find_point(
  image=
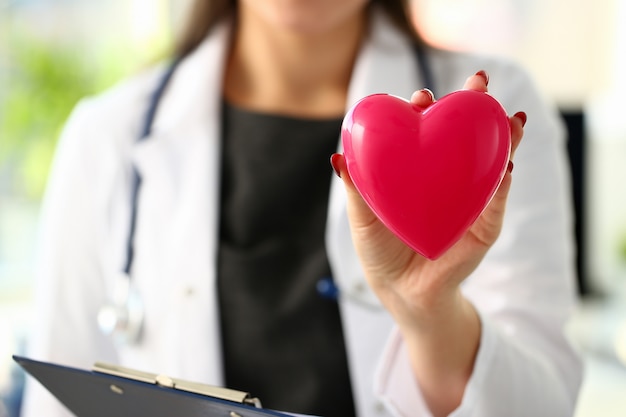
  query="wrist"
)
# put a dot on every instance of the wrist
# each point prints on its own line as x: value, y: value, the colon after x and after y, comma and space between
x: 442, y: 346
x: 447, y: 310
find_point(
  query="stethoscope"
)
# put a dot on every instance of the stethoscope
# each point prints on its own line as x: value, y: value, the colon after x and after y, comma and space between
x: 122, y: 316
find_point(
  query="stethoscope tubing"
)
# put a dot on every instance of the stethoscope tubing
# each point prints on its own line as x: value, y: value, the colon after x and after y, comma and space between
x: 135, y: 184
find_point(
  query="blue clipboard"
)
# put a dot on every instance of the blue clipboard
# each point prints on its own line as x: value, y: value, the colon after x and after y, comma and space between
x: 110, y: 390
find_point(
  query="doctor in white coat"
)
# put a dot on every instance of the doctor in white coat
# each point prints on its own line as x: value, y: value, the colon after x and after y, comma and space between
x: 479, y: 332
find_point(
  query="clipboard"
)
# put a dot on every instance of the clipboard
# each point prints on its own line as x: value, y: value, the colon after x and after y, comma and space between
x: 110, y: 390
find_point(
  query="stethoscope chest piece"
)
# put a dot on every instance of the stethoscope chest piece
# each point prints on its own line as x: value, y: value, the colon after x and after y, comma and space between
x: 122, y: 317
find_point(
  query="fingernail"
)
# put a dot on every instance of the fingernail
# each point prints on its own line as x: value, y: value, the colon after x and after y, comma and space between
x: 430, y: 93
x: 483, y: 73
x: 522, y: 116
x: 509, y: 167
x: 334, y: 161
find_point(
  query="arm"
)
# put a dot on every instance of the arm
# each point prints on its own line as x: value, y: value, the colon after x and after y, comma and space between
x: 441, y: 330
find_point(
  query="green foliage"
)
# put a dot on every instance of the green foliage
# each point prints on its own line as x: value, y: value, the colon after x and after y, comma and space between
x: 621, y: 248
x: 41, y: 83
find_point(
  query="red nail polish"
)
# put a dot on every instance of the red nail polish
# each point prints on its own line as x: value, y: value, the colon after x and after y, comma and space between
x: 509, y: 167
x: 334, y: 161
x: 430, y: 93
x: 484, y: 74
x: 522, y: 116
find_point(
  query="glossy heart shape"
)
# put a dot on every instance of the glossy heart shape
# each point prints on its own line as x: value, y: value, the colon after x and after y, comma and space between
x: 427, y: 174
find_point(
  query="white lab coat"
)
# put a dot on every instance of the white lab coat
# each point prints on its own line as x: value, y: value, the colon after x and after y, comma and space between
x: 524, y: 289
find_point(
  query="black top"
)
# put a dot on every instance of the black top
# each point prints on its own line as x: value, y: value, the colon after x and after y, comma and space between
x: 282, y: 341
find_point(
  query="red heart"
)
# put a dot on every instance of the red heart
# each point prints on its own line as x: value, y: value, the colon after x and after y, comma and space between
x: 427, y: 174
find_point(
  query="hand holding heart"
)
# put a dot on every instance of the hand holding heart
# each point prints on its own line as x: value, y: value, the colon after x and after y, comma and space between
x: 423, y: 294
x: 390, y: 262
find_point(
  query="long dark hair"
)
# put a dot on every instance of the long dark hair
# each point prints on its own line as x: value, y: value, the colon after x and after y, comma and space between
x: 204, y: 14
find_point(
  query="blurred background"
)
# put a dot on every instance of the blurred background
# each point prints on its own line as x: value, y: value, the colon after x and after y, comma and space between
x: 53, y: 52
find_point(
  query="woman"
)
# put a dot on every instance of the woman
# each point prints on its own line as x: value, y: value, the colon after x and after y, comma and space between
x: 237, y: 223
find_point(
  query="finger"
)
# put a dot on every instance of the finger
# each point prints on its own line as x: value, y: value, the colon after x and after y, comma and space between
x: 490, y: 224
x: 499, y: 199
x: 338, y: 162
x: 495, y: 209
x: 423, y: 98
x: 362, y: 213
x: 517, y: 122
x: 478, y: 82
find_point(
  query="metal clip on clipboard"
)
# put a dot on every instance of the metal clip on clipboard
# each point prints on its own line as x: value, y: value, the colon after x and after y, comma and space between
x: 178, y: 384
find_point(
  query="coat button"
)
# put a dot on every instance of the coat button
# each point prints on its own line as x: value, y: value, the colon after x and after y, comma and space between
x: 359, y: 288
x: 379, y: 408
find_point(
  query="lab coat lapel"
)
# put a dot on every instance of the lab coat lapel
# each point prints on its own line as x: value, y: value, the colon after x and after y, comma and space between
x: 177, y: 222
